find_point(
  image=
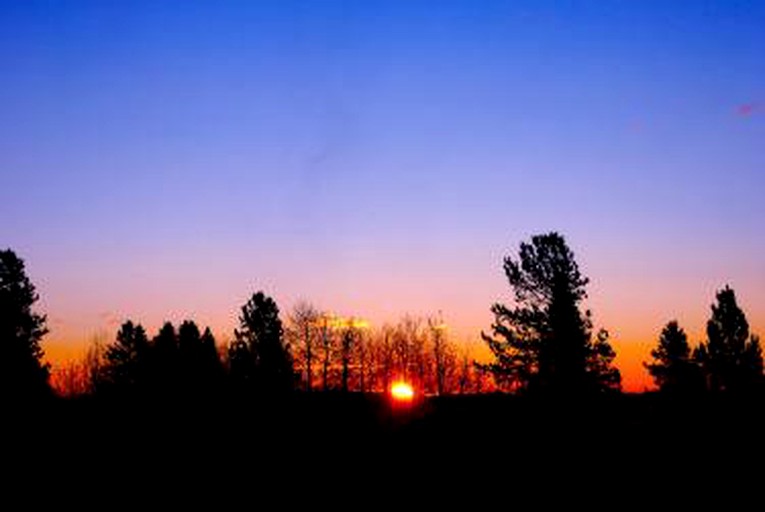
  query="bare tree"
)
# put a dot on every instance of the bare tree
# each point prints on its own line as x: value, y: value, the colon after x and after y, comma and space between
x: 438, y: 337
x: 470, y: 377
x: 410, y: 349
x: 70, y: 379
x: 383, y: 354
x: 347, y: 339
x: 352, y: 353
x: 94, y: 361
x: 327, y: 348
x: 449, y: 364
x: 402, y: 336
x: 466, y: 367
x: 363, y: 358
x: 303, y: 333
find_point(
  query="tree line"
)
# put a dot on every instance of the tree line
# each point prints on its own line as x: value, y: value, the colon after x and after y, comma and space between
x: 730, y: 359
x: 543, y: 343
x: 311, y: 351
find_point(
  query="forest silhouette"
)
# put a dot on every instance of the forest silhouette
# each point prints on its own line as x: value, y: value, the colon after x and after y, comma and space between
x: 309, y: 382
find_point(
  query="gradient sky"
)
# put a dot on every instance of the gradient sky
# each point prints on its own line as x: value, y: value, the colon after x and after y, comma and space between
x: 166, y: 159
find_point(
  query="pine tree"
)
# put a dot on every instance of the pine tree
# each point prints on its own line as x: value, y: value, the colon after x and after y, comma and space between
x: 189, y: 354
x: 198, y: 358
x: 730, y: 357
x: 22, y: 371
x: 260, y: 339
x: 164, y: 359
x: 127, y: 358
x: 673, y: 370
x: 211, y: 367
x: 544, y: 341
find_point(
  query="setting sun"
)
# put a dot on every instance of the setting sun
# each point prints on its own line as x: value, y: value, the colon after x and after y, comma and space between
x: 402, y: 391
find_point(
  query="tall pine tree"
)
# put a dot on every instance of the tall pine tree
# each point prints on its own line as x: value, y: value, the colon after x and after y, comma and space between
x: 543, y: 342
x: 22, y: 371
x: 730, y: 357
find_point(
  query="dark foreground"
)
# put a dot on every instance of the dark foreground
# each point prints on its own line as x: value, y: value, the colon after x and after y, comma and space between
x: 357, y: 438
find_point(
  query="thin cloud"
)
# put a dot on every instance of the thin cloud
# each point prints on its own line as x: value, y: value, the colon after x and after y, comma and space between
x: 747, y: 109
x: 110, y: 319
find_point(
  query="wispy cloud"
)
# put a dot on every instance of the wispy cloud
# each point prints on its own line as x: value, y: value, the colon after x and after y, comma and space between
x: 110, y: 319
x: 748, y: 109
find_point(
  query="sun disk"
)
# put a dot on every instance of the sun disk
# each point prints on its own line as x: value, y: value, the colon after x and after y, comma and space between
x: 402, y: 391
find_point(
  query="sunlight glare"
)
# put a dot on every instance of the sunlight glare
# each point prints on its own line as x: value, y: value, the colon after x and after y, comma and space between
x: 402, y: 391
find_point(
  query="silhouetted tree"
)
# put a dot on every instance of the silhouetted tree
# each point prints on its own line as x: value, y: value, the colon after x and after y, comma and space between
x: 166, y: 343
x: 440, y: 352
x: 347, y: 339
x: 470, y: 377
x: 544, y: 342
x: 211, y: 367
x: 241, y: 364
x: 95, y: 363
x: 260, y: 334
x: 601, y: 372
x: 362, y: 356
x: 22, y: 372
x: 351, y: 353
x: 673, y: 370
x: 70, y: 379
x: 303, y: 335
x: 127, y: 358
x: 406, y: 344
x: 187, y: 361
x: 449, y: 368
x: 466, y: 368
x: 164, y: 360
x: 327, y: 351
x: 419, y: 355
x: 730, y: 358
x: 190, y: 356
x: 384, y: 353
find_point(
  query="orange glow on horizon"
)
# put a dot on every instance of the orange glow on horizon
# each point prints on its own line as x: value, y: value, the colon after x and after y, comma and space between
x: 634, y: 326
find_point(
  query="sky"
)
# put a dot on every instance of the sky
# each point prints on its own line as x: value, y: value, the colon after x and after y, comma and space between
x: 164, y: 160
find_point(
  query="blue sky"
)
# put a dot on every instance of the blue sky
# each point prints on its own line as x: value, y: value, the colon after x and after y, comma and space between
x: 380, y: 156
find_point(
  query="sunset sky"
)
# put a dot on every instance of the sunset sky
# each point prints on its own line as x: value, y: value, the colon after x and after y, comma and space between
x: 164, y: 160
